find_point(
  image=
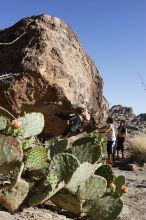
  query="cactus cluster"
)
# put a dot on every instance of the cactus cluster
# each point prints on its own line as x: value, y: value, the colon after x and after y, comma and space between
x: 72, y: 177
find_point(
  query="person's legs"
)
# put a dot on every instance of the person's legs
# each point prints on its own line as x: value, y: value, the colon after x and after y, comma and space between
x: 118, y: 147
x: 113, y: 151
x: 118, y: 154
x: 108, y: 154
x: 109, y: 150
x: 122, y: 147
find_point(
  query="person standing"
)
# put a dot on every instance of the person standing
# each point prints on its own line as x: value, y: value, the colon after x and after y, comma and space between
x: 121, y: 137
x: 111, y: 139
x: 109, y: 130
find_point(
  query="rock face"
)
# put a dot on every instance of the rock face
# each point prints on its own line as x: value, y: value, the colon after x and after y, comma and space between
x: 134, y: 123
x: 44, y: 68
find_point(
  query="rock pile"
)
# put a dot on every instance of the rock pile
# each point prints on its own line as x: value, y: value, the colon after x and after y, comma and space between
x: 134, y: 123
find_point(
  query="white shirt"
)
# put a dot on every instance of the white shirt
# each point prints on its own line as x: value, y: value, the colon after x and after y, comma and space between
x: 111, y: 134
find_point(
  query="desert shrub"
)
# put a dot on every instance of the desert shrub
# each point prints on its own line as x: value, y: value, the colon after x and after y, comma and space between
x: 137, y: 147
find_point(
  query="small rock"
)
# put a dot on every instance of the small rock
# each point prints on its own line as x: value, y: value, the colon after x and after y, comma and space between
x: 130, y: 167
x: 142, y: 169
x: 141, y: 186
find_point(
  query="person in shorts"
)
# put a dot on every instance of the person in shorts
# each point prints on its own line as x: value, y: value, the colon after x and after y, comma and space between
x: 121, y: 137
x: 109, y: 130
x: 111, y: 138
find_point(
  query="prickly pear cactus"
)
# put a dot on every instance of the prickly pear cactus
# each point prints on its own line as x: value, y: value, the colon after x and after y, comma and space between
x: 99, y: 138
x: 58, y: 147
x: 86, y: 150
x: 68, y: 201
x: 120, y: 180
x: 72, y: 200
x: 32, y: 124
x: 51, y: 142
x: 3, y: 123
x: 12, y: 198
x: 62, y: 167
x: 28, y: 143
x: 43, y: 193
x: 36, y: 158
x: 74, y: 181
x: 93, y: 187
x: 103, y: 208
x: 106, y: 172
x: 10, y: 150
x: 81, y: 174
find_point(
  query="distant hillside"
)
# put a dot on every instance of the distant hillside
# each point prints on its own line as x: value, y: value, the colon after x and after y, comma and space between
x: 134, y: 123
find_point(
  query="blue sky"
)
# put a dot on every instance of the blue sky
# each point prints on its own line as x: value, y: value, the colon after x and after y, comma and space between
x: 113, y: 32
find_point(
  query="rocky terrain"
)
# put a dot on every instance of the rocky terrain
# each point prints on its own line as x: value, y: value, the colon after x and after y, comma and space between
x: 134, y: 123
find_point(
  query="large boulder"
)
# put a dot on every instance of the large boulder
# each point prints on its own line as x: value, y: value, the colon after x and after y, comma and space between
x: 44, y: 68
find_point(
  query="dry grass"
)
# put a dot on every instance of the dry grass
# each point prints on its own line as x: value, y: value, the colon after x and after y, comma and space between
x: 137, y: 147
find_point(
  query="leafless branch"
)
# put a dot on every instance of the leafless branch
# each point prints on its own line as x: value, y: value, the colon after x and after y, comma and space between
x: 142, y: 81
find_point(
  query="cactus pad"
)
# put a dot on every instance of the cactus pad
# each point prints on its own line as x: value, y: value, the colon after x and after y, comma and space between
x: 36, y: 159
x: 28, y: 143
x: 51, y: 142
x: 10, y: 150
x: 106, y: 208
x: 62, y: 167
x: 58, y: 147
x: 120, y: 180
x: 12, y: 198
x: 106, y: 172
x: 68, y: 201
x: 93, y: 187
x: 43, y: 193
x: 32, y: 124
x: 3, y: 123
x: 86, y: 150
x: 81, y: 174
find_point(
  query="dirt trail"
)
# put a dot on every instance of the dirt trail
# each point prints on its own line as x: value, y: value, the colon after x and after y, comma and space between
x: 135, y: 199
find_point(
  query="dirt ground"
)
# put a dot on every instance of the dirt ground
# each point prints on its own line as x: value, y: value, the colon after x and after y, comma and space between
x: 135, y: 199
